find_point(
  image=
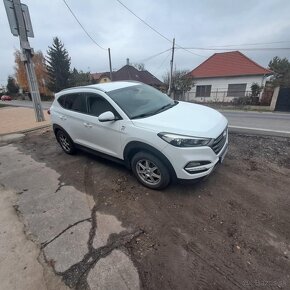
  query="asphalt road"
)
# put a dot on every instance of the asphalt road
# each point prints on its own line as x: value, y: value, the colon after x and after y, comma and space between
x: 265, y: 122
x: 249, y: 122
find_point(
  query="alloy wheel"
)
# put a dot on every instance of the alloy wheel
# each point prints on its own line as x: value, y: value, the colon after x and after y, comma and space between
x: 65, y: 143
x: 148, y: 172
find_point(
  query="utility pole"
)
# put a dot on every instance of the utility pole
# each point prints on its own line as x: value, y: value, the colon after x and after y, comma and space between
x: 20, y: 25
x: 171, y: 68
x: 110, y: 63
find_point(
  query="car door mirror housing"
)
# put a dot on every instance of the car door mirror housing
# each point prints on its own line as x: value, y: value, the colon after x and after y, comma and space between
x: 107, y: 116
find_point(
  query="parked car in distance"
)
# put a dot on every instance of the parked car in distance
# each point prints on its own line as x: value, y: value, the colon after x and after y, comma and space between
x: 158, y: 138
x: 6, y: 98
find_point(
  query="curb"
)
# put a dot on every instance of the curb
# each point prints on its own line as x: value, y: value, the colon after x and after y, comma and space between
x: 259, y: 131
x: 27, y: 130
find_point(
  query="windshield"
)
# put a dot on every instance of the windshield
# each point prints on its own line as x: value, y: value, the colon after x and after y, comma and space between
x: 141, y: 101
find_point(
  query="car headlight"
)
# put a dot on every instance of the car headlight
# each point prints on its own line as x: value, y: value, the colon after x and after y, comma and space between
x: 183, y: 140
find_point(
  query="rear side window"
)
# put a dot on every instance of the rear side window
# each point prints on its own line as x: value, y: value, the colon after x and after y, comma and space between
x: 61, y: 100
x: 74, y: 102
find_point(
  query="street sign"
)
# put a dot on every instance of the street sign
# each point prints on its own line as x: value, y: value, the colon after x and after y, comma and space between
x: 9, y: 6
x: 27, y: 20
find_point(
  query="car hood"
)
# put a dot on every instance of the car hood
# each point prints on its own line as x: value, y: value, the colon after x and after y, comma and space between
x: 186, y: 118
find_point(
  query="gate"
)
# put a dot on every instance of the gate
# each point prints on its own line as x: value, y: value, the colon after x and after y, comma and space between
x: 283, y: 100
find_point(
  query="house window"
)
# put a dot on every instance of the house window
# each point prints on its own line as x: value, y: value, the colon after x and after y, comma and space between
x: 203, y: 91
x: 236, y: 90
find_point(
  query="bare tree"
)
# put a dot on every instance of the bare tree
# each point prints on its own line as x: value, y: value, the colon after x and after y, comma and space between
x: 182, y: 82
x: 139, y: 66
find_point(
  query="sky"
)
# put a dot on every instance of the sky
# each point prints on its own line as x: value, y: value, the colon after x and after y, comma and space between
x: 202, y: 24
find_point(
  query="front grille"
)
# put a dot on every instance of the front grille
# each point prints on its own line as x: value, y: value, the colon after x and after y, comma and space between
x: 219, y: 142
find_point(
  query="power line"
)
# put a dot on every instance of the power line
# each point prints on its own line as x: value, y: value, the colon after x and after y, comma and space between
x: 155, y: 30
x: 230, y: 49
x: 186, y: 49
x: 155, y: 55
x: 162, y: 63
x: 258, y: 43
x: 75, y: 17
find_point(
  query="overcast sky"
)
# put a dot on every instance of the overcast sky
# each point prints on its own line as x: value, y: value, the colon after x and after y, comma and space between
x: 193, y: 23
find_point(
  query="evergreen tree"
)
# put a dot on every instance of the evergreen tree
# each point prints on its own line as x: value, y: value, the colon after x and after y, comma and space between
x: 12, y: 87
x: 58, y: 66
x: 79, y: 78
x: 281, y: 69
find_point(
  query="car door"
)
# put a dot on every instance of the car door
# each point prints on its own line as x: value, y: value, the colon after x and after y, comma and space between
x: 72, y: 116
x: 104, y: 137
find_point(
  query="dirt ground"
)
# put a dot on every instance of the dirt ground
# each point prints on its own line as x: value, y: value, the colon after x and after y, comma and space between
x: 230, y: 231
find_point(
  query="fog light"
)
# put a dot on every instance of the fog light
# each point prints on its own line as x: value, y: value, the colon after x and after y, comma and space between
x: 193, y: 164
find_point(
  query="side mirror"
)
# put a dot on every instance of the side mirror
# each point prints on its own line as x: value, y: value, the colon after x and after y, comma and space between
x: 107, y: 116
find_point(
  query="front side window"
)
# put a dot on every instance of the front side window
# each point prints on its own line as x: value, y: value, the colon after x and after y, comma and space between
x: 141, y: 101
x: 203, y: 91
x: 98, y: 105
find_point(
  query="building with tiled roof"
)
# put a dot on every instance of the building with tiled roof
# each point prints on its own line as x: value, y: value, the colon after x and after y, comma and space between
x: 225, y: 76
x: 101, y: 77
x: 128, y: 72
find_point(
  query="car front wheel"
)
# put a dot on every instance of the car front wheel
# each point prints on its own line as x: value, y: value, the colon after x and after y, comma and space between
x: 65, y: 142
x: 150, y: 170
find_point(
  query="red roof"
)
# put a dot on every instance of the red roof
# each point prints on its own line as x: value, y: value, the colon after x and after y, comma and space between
x: 225, y: 64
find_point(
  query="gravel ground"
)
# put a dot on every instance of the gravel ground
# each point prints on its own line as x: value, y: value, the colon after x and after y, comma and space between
x: 230, y: 231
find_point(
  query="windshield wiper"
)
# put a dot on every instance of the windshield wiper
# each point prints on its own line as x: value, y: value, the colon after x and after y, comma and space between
x: 142, y: 115
x: 165, y: 107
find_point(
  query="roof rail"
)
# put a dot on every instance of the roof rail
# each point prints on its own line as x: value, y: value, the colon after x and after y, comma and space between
x: 83, y: 87
x: 78, y: 87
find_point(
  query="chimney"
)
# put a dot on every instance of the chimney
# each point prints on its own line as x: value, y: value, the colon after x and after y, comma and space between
x: 128, y: 63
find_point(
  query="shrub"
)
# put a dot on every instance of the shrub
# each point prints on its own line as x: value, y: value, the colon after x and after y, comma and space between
x: 243, y: 101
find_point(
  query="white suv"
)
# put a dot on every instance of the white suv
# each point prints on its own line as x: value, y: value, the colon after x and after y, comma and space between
x: 130, y: 122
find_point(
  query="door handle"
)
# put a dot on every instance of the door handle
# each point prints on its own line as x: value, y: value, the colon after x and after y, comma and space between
x: 88, y: 125
x: 62, y: 117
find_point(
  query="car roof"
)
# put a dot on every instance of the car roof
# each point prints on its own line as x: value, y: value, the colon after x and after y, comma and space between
x: 107, y: 87
x: 111, y: 86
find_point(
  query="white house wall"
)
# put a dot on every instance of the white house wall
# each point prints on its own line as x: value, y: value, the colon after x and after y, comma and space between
x: 219, y: 87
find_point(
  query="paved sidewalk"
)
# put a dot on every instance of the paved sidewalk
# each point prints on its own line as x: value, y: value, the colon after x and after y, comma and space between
x: 14, y: 120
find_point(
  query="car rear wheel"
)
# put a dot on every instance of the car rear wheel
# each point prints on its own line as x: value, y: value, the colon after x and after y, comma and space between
x: 150, y: 171
x: 65, y: 142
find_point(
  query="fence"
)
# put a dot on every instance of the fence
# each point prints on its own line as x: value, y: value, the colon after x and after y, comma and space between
x: 225, y: 96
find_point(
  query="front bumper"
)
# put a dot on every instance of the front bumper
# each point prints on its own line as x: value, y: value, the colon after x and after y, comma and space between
x: 181, y: 157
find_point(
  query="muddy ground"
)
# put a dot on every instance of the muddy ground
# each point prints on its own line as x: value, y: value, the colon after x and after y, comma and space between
x: 231, y: 231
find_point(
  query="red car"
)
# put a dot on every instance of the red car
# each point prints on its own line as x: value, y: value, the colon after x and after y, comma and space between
x: 6, y: 98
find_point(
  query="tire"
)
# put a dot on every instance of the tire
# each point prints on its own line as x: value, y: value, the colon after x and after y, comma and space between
x: 150, y: 170
x: 65, y: 142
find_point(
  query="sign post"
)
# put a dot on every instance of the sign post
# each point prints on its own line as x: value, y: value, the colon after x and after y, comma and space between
x: 20, y: 25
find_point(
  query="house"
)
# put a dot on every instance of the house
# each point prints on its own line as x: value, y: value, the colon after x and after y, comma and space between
x: 102, y: 77
x: 225, y: 76
x: 128, y: 72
